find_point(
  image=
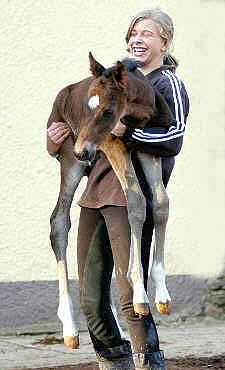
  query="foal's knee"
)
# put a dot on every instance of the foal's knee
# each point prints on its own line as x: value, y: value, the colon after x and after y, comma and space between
x: 60, y: 226
x: 136, y: 206
x: 60, y: 222
x: 160, y: 209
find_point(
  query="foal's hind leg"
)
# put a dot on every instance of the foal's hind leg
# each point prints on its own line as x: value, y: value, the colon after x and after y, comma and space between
x: 160, y: 209
x: 71, y: 174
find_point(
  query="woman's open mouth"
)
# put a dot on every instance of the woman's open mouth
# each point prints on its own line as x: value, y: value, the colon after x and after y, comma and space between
x: 138, y: 51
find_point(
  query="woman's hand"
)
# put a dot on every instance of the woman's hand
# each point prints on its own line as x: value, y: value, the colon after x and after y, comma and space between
x: 56, y: 134
x: 119, y: 129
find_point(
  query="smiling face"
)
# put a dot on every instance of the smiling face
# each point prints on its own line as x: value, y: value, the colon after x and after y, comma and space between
x: 146, y: 45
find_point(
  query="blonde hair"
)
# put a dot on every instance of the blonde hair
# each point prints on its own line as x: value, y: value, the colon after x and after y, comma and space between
x: 165, y: 28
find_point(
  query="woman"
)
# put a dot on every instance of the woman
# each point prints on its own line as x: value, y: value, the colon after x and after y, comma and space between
x: 104, y: 232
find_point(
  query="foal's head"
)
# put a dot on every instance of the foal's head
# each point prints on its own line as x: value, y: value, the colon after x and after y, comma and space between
x: 105, y: 105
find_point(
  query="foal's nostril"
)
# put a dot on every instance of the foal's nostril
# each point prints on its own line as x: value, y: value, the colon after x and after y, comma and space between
x: 83, y: 156
x: 87, y: 153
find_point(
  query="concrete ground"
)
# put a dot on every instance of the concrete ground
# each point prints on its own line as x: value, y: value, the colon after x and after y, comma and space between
x: 197, y: 339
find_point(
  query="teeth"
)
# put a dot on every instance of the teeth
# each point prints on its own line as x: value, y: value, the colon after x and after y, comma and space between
x: 139, y: 49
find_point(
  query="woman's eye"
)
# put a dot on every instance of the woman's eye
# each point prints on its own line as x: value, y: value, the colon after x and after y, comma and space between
x: 148, y: 33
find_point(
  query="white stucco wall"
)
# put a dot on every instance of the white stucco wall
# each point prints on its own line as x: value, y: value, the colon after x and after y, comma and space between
x: 44, y: 46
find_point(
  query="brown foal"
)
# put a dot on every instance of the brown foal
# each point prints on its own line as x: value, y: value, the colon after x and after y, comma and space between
x: 92, y: 108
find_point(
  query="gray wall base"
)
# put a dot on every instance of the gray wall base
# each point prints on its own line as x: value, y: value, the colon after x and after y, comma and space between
x: 32, y: 306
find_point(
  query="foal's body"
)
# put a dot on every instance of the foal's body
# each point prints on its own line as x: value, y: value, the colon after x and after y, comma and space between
x: 92, y: 108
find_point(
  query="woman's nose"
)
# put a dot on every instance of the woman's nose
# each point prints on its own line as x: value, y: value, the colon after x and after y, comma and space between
x: 137, y: 39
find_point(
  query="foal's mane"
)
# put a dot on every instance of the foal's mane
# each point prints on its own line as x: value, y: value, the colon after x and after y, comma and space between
x: 130, y: 65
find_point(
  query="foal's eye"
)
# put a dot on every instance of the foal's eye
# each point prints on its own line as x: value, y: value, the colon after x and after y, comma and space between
x: 107, y: 113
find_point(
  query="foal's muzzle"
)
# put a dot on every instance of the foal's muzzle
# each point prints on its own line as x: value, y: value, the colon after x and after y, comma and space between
x: 87, y: 153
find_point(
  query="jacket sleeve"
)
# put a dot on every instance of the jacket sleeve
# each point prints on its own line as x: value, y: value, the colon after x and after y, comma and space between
x: 161, y: 141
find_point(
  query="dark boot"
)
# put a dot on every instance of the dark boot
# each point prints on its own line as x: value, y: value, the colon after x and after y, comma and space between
x: 116, y: 358
x: 126, y: 363
x: 149, y: 361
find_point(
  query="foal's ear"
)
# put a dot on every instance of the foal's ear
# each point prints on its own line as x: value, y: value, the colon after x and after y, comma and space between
x: 119, y: 75
x: 96, y: 68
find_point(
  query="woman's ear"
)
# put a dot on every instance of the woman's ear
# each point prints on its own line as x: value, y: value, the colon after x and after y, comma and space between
x: 164, y: 45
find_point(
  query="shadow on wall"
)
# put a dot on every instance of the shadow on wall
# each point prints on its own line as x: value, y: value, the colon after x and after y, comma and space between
x: 32, y: 306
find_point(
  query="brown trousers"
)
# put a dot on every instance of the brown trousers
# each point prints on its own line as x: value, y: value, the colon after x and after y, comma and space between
x: 104, y: 239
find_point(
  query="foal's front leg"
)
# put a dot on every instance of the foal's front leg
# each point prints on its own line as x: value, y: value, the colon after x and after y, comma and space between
x: 120, y: 160
x: 71, y: 173
x: 160, y: 209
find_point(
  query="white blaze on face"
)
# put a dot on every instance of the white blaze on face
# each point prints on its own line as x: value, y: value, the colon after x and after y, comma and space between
x: 93, y: 101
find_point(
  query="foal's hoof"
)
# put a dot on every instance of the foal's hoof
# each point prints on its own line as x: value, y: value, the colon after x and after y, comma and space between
x: 72, y: 342
x: 141, y: 309
x: 164, y: 308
